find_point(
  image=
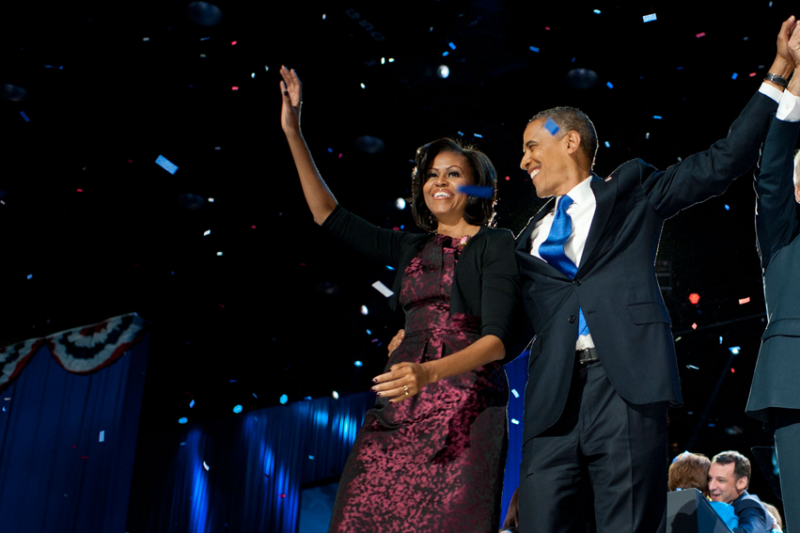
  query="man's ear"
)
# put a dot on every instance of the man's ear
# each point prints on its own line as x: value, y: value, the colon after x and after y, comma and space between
x: 797, y: 193
x: 741, y: 483
x: 573, y: 140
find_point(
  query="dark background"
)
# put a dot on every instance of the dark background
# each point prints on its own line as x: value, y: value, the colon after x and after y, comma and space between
x: 279, y: 311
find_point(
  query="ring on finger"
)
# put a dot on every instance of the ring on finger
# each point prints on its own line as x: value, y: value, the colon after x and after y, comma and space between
x: 405, y: 388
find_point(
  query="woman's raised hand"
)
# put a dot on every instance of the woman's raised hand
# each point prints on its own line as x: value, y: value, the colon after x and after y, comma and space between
x: 292, y: 91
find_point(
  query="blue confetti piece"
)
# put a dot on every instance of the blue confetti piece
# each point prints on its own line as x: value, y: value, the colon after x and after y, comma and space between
x: 445, y: 54
x: 307, y: 398
x: 24, y: 116
x: 657, y: 117
x: 358, y: 364
x: 461, y: 133
x: 515, y: 421
x: 680, y: 68
x: 183, y: 420
x: 712, y: 425
x: 597, y: 11
x: 573, y: 59
x: 102, y: 436
x: 608, y: 144
x: 477, y: 135
x: 237, y: 409
x: 389, y: 267
x: 311, y: 457
x: 735, y: 75
x: 727, y: 207
x: 649, y: 18
x: 30, y: 276
x: 515, y: 393
x: 330, y: 150
x: 609, y: 85
x: 191, y: 404
x: 452, y: 46
x: 284, y: 399
x: 369, y: 332
x: 551, y: 126
x: 477, y: 191
x: 166, y: 164
x: 534, y: 49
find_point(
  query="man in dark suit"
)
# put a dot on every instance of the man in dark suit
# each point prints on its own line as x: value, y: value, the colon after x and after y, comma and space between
x: 774, y: 396
x: 728, y: 480
x: 602, y: 367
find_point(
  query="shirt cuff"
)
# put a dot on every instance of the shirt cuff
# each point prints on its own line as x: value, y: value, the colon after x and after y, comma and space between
x: 789, y: 108
x: 773, y: 92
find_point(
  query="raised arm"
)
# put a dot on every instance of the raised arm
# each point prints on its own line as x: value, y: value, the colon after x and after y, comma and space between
x: 319, y: 198
x: 708, y: 173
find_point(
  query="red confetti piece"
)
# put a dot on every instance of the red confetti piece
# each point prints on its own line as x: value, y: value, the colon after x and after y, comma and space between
x: 508, y: 178
x: 74, y: 445
x: 302, y: 264
x: 743, y: 301
x: 130, y: 160
x: 547, y: 28
x: 752, y: 74
x: 222, y: 306
x: 80, y: 190
x: 733, y: 370
x: 340, y: 156
x: 283, y: 495
x: 233, y: 43
x: 701, y: 34
x: 694, y: 326
x: 253, y: 226
x: 234, y: 88
x: 694, y: 298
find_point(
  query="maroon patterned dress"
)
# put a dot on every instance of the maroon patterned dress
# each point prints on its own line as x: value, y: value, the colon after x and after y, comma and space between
x: 434, y: 462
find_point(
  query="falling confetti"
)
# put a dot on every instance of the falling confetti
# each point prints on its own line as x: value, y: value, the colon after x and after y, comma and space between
x: 477, y: 191
x: 383, y: 289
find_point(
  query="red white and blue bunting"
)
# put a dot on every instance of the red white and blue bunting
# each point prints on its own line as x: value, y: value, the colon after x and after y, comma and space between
x: 79, y: 350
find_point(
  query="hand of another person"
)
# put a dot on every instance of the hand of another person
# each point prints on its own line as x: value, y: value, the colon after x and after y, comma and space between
x: 403, y: 381
x: 784, y: 36
x: 396, y: 340
x: 292, y: 91
x: 793, y: 44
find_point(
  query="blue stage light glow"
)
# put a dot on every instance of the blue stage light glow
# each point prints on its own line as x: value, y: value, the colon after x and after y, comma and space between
x: 284, y: 399
x: 237, y: 409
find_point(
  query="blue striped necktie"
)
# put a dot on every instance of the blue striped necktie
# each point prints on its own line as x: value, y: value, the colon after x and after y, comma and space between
x: 552, y: 250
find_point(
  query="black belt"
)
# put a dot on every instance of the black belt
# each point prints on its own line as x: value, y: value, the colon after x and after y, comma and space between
x: 588, y: 355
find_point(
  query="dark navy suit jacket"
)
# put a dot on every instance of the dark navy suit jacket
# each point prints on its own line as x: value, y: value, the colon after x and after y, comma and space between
x: 616, y: 285
x: 777, y: 374
x: 751, y: 514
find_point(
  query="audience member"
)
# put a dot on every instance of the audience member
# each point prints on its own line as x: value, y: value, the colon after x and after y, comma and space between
x: 728, y: 480
x: 777, y: 523
x: 689, y: 471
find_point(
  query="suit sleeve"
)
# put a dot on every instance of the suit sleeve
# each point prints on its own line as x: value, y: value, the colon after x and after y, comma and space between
x: 500, y: 289
x: 707, y: 174
x: 776, y: 207
x: 752, y: 519
x: 379, y: 244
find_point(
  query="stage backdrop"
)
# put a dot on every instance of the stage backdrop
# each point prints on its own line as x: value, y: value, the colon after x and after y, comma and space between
x: 245, y: 473
x: 68, y: 427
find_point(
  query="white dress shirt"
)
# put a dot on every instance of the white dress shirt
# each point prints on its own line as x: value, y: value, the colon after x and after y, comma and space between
x: 582, y: 212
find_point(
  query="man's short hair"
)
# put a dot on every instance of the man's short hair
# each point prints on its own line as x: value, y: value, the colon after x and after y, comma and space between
x: 569, y: 119
x: 741, y: 464
x: 689, y: 471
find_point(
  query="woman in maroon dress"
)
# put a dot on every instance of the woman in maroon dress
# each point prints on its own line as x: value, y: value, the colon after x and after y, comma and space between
x: 431, y: 453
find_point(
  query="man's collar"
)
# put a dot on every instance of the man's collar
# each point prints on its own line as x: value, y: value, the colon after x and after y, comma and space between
x: 582, y: 194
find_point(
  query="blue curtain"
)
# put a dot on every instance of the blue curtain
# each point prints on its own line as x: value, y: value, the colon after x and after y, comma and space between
x: 67, y: 445
x: 243, y: 473
x: 517, y: 371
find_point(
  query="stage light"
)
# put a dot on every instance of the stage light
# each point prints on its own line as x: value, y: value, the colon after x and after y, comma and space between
x: 735, y: 350
x: 284, y: 399
x: 694, y: 298
x: 443, y: 71
x: 183, y: 420
x: 237, y: 409
x: 204, y: 13
x: 335, y: 395
x: 400, y: 203
x: 364, y: 310
x: 358, y: 364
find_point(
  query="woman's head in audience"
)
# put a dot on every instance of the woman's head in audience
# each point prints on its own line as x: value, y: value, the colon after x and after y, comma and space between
x: 689, y: 471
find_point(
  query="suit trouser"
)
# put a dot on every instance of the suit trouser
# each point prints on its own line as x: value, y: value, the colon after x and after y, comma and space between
x: 787, y: 444
x: 621, y: 447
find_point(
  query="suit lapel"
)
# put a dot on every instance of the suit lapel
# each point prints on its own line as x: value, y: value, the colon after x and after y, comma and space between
x: 527, y: 262
x: 605, y: 193
x: 524, y: 238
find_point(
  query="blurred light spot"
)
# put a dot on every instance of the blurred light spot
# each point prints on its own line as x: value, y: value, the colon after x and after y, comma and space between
x: 205, y: 465
x: 102, y: 436
x: 363, y: 86
x: 364, y: 310
x: 284, y: 399
x: 727, y: 207
x: 400, y: 203
x: 597, y: 11
x: 701, y: 34
x: 735, y: 350
x: 207, y: 232
x: 183, y: 420
x: 335, y: 395
x: 534, y: 49
x: 219, y: 254
x: 609, y: 85
x: 237, y: 409
x: 30, y: 276
x: 311, y: 457
x: 515, y: 393
x: 657, y: 117
x: 445, y: 54
x: 191, y: 404
x: 692, y: 367
x: 515, y: 421
x: 358, y: 364
x: 211, y: 200
x: 369, y: 332
x: 443, y: 71
x: 694, y: 298
x: 735, y: 75
x: 694, y: 326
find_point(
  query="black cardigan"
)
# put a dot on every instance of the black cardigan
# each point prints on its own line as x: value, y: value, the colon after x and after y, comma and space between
x: 486, y: 283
